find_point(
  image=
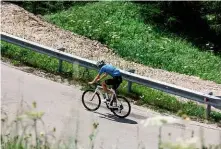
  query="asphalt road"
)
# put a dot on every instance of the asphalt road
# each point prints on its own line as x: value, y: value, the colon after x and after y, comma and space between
x: 64, y: 110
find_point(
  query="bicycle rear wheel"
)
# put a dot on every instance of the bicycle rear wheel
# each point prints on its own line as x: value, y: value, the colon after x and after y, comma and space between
x: 123, y: 107
x: 91, y: 100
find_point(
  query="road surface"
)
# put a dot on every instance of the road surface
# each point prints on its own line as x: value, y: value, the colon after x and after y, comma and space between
x: 64, y: 110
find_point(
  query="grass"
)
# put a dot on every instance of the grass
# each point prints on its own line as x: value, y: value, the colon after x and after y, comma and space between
x: 121, y: 26
x: 144, y: 95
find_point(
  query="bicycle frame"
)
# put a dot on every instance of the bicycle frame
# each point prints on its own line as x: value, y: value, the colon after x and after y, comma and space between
x: 98, y: 90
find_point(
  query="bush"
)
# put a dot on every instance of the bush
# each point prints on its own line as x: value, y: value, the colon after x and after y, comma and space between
x: 121, y: 27
x: 47, y: 7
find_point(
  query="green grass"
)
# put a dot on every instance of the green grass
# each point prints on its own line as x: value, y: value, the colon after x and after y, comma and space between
x: 166, y: 102
x: 120, y: 26
x: 33, y: 59
x: 151, y: 97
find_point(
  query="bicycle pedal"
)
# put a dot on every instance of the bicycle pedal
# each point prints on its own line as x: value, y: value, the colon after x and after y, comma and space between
x: 113, y: 108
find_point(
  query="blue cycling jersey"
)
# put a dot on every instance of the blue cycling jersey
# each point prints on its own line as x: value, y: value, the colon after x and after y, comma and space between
x: 109, y: 69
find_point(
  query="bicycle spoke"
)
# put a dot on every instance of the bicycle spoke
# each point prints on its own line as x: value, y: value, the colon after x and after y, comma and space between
x: 92, y: 97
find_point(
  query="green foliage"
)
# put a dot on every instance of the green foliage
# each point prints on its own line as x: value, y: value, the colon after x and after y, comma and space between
x: 121, y: 27
x: 200, y: 23
x: 21, y: 56
x: 30, y: 58
x: 47, y: 7
x: 12, y: 144
x: 163, y: 101
x: 212, y: 13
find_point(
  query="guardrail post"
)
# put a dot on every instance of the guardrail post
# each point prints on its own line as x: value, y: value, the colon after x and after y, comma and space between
x: 208, y: 107
x: 60, y: 66
x: 60, y: 61
x: 129, y: 82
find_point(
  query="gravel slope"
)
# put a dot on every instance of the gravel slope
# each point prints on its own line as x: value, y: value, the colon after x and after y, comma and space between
x: 15, y: 20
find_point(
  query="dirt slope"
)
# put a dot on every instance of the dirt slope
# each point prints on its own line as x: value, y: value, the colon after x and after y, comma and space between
x: 16, y: 21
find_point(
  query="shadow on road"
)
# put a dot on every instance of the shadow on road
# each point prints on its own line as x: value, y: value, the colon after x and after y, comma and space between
x: 137, y: 116
x: 115, y: 118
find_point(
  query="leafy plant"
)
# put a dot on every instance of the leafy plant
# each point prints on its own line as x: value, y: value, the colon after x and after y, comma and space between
x: 121, y: 26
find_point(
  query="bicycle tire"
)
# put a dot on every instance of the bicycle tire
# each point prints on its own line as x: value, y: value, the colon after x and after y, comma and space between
x: 126, y: 100
x: 83, y: 100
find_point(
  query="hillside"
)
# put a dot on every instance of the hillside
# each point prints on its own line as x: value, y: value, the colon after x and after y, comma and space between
x: 15, y: 20
x: 121, y: 27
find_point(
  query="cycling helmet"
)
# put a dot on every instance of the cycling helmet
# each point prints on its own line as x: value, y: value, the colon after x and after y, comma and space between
x: 100, y: 63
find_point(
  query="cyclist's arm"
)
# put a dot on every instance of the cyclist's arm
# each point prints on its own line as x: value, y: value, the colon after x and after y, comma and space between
x: 96, y: 78
x: 104, y: 75
x: 99, y: 77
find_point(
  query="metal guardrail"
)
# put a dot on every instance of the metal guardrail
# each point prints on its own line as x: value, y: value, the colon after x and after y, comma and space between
x: 210, y: 100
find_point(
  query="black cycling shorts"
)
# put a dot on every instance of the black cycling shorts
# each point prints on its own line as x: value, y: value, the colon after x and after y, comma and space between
x: 115, y: 82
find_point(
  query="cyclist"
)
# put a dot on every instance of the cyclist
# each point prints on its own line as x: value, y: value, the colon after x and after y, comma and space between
x: 108, y: 69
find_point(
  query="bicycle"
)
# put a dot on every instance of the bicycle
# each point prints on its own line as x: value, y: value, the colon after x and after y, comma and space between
x: 111, y: 103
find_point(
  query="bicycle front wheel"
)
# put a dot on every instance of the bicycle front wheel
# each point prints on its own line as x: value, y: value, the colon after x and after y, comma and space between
x: 123, y: 107
x: 91, y: 100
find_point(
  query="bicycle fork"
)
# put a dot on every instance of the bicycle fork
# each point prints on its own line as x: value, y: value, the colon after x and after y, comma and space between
x: 94, y: 94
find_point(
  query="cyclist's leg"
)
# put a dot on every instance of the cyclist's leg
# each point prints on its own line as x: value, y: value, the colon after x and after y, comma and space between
x: 116, y: 83
x: 105, y: 83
